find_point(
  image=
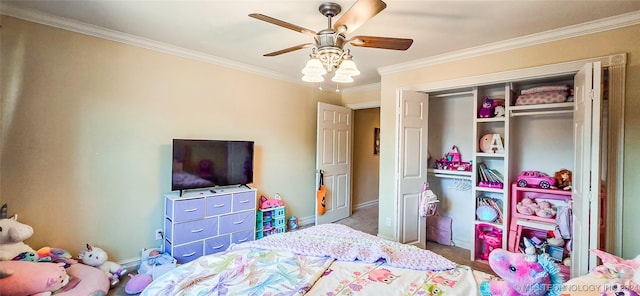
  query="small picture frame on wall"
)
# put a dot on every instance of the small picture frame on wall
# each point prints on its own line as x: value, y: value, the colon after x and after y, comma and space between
x: 376, y: 141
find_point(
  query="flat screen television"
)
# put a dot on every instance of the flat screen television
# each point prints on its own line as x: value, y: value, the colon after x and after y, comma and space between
x: 211, y: 163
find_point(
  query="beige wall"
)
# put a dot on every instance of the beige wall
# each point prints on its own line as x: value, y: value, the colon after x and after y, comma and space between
x: 364, y: 96
x: 589, y: 46
x: 366, y: 165
x: 87, y: 126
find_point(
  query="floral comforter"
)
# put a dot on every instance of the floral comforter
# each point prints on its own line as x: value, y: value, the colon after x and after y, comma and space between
x: 298, y: 264
x: 242, y: 272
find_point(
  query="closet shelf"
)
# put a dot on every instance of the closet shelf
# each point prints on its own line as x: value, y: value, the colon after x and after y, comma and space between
x: 541, y: 109
x: 450, y: 174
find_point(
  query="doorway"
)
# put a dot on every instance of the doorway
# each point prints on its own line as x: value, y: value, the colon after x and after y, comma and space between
x: 366, y: 158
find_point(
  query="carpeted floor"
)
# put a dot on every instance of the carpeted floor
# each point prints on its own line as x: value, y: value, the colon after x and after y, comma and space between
x: 366, y: 220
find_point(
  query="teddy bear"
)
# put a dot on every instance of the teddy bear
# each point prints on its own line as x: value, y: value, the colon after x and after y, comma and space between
x: 31, y: 278
x: 97, y: 257
x: 12, y: 235
x: 522, y: 275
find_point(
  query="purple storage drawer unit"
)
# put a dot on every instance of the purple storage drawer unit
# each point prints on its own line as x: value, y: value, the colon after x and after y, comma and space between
x: 186, y: 210
x: 188, y: 252
x: 236, y: 222
x: 244, y: 201
x: 216, y: 244
x: 206, y: 222
x: 218, y: 205
x: 194, y: 230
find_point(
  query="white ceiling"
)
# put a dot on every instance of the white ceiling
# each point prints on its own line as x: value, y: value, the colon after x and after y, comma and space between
x: 222, y: 31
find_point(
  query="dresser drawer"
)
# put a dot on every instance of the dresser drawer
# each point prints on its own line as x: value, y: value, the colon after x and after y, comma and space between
x: 236, y: 222
x: 244, y: 201
x: 188, y: 252
x: 186, y: 210
x: 217, y: 205
x: 216, y: 244
x: 242, y: 236
x: 194, y: 230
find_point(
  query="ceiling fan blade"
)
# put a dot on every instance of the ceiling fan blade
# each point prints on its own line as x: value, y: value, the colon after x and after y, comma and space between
x: 290, y: 49
x: 381, y: 42
x: 358, y: 14
x: 283, y: 24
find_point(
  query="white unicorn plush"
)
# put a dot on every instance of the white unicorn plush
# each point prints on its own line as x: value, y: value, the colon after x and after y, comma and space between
x: 97, y: 257
x: 12, y: 235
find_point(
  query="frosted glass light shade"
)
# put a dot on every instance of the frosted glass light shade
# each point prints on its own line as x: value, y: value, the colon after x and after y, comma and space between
x: 348, y: 67
x: 314, y: 67
x: 341, y: 78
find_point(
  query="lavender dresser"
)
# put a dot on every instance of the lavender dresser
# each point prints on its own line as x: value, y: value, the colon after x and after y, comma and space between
x: 203, y: 222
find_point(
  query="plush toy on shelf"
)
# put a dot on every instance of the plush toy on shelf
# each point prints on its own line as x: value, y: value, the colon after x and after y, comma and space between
x: 12, y: 236
x: 266, y: 203
x: 97, y: 257
x: 521, y: 275
x: 486, y: 110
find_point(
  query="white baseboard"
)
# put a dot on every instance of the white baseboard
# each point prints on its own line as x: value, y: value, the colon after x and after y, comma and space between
x: 130, y: 264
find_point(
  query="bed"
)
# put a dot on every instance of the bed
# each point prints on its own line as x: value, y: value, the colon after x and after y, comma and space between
x: 328, y: 259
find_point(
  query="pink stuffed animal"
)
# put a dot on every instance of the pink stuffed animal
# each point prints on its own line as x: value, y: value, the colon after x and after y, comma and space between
x: 30, y: 278
x: 266, y: 203
x: 521, y: 277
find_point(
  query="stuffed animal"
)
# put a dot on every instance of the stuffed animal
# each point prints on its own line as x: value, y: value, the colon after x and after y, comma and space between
x: 137, y: 283
x: 616, y: 269
x: 486, y: 110
x: 266, y: 203
x: 97, y: 257
x: 12, y: 235
x: 31, y: 278
x: 499, y: 111
x: 522, y: 277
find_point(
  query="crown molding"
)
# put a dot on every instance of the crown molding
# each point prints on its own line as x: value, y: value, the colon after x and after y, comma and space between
x: 117, y: 36
x: 361, y: 88
x: 606, y: 24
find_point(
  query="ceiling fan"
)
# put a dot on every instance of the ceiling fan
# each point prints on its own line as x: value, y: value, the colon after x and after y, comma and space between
x: 329, y: 43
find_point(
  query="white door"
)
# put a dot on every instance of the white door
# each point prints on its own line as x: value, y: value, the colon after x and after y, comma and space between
x: 411, y: 165
x: 333, y: 158
x: 586, y: 175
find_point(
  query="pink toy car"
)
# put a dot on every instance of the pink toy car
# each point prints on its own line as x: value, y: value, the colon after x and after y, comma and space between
x: 535, y: 179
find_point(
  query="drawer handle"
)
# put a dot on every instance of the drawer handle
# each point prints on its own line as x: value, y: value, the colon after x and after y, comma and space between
x: 243, y: 240
x: 218, y: 206
x: 238, y: 222
x: 217, y: 247
x: 197, y: 230
x: 244, y: 201
x: 191, y: 210
x: 189, y: 255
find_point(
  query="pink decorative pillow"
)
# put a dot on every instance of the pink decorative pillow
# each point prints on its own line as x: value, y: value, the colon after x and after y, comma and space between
x: 92, y: 281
